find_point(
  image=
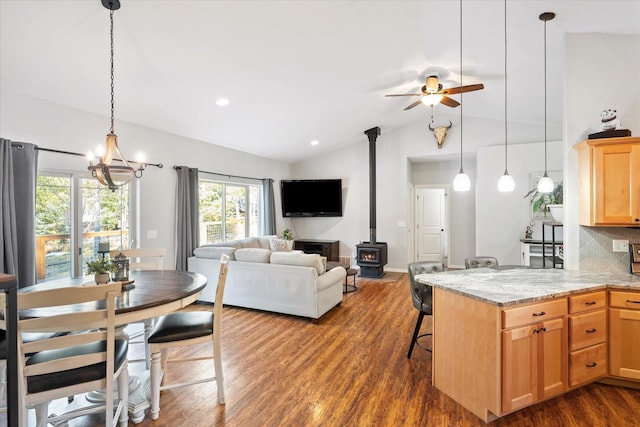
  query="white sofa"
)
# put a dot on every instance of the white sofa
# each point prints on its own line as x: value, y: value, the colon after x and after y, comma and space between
x: 276, y: 280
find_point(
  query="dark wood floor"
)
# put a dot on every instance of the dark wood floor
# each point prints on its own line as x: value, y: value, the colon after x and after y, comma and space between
x: 351, y: 369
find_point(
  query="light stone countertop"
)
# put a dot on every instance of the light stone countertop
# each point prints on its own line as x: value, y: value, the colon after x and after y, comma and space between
x: 523, y: 285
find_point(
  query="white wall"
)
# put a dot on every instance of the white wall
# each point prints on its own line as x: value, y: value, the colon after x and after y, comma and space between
x: 50, y: 125
x: 399, y: 154
x: 503, y: 217
x: 602, y: 71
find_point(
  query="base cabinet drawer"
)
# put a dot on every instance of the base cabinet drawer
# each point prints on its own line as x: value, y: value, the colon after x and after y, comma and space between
x: 587, y: 329
x: 539, y: 312
x: 588, y: 364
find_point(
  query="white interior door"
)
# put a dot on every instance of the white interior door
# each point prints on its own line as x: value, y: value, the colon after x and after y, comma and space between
x: 431, y: 227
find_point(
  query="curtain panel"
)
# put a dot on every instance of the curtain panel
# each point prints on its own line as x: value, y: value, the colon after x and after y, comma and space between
x: 187, y: 215
x: 18, y: 175
x: 269, y: 210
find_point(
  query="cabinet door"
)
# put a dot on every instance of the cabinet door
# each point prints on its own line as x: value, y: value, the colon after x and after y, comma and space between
x: 616, y: 192
x: 624, y: 343
x: 519, y: 367
x: 554, y: 357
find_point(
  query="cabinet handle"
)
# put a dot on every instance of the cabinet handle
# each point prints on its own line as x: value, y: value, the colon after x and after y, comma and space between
x: 536, y: 331
x: 637, y: 220
x: 542, y: 313
x: 631, y: 301
x: 590, y: 302
x: 543, y: 329
x: 590, y: 331
x: 592, y: 365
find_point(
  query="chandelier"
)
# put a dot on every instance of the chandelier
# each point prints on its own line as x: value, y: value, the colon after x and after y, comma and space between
x: 107, y: 173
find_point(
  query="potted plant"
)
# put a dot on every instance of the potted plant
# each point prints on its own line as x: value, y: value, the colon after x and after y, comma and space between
x: 555, y: 207
x: 286, y: 235
x: 101, y: 268
x: 547, y: 203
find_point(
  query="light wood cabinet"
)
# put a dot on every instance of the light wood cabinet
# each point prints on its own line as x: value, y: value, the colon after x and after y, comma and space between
x: 624, y: 334
x: 494, y: 359
x: 587, y: 337
x: 534, y: 355
x: 609, y: 181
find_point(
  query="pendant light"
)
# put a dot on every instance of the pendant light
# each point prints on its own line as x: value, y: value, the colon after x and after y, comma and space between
x: 545, y: 185
x: 506, y: 182
x: 108, y: 174
x: 461, y: 182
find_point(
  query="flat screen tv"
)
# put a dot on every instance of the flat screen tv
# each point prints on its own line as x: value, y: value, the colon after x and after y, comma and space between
x: 311, y: 197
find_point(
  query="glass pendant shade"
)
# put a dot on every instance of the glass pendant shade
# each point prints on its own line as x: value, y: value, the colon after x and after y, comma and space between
x: 545, y: 185
x: 461, y: 182
x: 506, y: 183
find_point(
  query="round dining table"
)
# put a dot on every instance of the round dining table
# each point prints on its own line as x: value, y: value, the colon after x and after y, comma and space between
x: 151, y: 293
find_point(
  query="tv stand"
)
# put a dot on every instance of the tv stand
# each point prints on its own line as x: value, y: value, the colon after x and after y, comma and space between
x: 328, y: 248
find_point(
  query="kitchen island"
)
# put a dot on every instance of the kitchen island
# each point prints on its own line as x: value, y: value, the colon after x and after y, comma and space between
x: 505, y: 339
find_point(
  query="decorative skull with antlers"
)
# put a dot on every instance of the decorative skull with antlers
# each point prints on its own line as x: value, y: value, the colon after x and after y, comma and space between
x: 440, y: 133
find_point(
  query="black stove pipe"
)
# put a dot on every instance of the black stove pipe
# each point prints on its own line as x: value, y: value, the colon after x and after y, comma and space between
x: 373, y: 135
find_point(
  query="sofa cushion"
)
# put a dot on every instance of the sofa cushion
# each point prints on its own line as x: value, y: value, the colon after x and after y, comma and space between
x: 293, y: 258
x: 279, y: 245
x: 253, y: 255
x: 229, y: 244
x: 214, y: 252
x: 249, y: 242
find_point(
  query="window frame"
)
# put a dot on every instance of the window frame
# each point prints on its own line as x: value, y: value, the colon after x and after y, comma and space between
x: 247, y: 183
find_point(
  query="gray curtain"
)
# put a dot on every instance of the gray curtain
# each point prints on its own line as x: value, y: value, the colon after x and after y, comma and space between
x: 187, y: 215
x: 269, y: 220
x: 19, y: 166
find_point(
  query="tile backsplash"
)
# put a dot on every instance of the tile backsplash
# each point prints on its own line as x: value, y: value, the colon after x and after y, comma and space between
x: 596, y: 248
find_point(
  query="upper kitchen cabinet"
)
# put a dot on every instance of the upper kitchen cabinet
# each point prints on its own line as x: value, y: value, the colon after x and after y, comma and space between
x: 609, y: 182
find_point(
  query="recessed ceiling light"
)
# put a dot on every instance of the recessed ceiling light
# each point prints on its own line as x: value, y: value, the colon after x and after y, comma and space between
x: 222, y: 102
x: 315, y: 142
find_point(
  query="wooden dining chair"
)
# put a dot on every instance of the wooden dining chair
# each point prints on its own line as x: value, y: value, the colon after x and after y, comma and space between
x: 142, y: 259
x: 183, y: 329
x: 87, y: 356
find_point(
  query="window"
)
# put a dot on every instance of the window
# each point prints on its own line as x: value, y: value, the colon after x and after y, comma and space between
x: 74, y: 215
x: 228, y: 211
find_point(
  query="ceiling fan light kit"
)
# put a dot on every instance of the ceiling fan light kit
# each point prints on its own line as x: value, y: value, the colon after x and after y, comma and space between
x: 545, y: 185
x: 506, y: 182
x: 108, y: 174
x: 432, y: 99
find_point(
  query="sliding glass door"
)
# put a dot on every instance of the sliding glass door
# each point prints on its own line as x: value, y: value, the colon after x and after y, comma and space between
x: 76, y: 218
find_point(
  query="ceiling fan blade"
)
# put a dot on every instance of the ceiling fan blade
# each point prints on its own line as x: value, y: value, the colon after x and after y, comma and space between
x: 449, y: 102
x: 462, y: 89
x: 415, y: 104
x: 407, y: 94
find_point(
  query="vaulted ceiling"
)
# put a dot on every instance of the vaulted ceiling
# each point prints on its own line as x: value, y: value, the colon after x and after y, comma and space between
x: 294, y: 71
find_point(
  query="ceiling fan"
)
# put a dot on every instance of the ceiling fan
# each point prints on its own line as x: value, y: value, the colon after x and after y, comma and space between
x: 433, y: 93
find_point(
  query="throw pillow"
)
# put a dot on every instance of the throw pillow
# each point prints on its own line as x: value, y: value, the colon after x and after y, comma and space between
x: 279, y: 245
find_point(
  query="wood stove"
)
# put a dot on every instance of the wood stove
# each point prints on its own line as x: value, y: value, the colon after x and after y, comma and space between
x: 371, y: 256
